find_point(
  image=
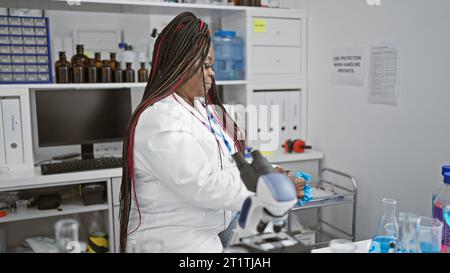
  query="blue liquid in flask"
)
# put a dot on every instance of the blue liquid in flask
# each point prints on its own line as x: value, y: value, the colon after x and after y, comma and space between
x: 383, y: 244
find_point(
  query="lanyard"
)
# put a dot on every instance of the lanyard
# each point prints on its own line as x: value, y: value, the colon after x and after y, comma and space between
x: 213, y: 119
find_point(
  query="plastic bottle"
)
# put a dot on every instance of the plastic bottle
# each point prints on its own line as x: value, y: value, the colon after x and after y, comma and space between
x: 445, y: 169
x: 386, y: 238
x: 106, y: 72
x: 128, y: 73
x: 129, y: 56
x: 62, y: 69
x: 118, y: 74
x: 98, y: 238
x: 229, y: 64
x: 91, y: 72
x: 142, y: 73
x: 441, y: 211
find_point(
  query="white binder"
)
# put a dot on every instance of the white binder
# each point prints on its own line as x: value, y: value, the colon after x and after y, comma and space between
x: 258, y: 119
x: 294, y: 114
x: 2, y: 139
x: 283, y: 101
x: 12, y: 125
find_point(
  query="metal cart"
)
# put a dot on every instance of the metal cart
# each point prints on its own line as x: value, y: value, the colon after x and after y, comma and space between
x: 340, y: 194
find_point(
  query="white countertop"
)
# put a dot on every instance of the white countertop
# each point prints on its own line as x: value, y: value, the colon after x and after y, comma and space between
x: 30, y: 178
x: 361, y: 247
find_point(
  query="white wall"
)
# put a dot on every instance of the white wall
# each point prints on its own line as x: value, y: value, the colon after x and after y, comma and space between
x: 393, y: 151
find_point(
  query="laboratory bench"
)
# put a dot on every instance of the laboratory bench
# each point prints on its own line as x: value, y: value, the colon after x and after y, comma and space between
x: 15, y: 228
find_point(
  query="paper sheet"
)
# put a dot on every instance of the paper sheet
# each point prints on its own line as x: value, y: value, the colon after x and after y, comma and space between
x: 383, y: 77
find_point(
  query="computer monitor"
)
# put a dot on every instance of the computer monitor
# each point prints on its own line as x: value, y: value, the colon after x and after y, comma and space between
x: 83, y: 116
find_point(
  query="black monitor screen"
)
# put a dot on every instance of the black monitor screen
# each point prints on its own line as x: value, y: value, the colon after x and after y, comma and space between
x: 66, y: 117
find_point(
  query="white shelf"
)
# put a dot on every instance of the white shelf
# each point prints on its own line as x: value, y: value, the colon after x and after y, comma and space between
x: 96, y: 85
x: 280, y: 156
x: 69, y: 207
x: 32, y: 178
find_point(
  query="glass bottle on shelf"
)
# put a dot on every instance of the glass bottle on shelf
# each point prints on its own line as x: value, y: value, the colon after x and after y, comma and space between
x: 385, y: 240
x: 142, y: 73
x: 92, y: 72
x: 113, y: 60
x: 118, y: 74
x: 62, y: 69
x: 78, y: 71
x: 84, y: 60
x: 98, y: 65
x: 106, y: 72
x: 129, y: 73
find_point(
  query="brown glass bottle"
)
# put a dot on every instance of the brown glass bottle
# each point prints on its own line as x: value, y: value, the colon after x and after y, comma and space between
x: 118, y: 74
x: 62, y: 69
x: 106, y: 72
x: 84, y: 60
x: 113, y: 61
x: 142, y: 73
x: 91, y: 72
x: 128, y: 73
x: 78, y: 72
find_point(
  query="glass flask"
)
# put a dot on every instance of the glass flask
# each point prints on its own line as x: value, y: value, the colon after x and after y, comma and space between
x: 386, y: 237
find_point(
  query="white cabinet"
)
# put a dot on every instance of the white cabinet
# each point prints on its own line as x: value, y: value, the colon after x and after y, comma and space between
x: 278, y: 32
x: 272, y: 60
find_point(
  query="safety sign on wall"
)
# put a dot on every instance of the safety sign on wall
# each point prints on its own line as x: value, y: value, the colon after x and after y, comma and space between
x: 348, y: 66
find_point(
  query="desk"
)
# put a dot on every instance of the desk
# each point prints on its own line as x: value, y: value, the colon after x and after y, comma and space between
x: 361, y: 247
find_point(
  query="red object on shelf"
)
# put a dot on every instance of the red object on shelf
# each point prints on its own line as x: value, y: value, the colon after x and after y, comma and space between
x: 3, y: 213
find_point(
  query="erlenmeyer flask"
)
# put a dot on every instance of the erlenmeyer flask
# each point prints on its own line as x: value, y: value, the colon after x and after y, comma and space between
x: 385, y: 239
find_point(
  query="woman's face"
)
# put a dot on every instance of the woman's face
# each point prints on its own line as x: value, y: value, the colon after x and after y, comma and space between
x: 194, y: 86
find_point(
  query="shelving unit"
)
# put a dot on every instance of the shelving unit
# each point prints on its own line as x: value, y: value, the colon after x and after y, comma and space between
x: 67, y: 208
x: 269, y: 74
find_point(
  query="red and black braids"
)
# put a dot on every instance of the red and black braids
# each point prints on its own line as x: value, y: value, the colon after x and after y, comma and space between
x: 180, y: 51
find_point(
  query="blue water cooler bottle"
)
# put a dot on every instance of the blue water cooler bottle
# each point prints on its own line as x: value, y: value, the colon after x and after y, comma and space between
x: 229, y: 55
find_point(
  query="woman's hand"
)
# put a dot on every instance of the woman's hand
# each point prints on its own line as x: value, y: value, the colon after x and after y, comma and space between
x: 299, y: 183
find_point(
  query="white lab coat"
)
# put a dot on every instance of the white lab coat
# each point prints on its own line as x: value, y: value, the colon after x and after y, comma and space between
x: 184, y: 197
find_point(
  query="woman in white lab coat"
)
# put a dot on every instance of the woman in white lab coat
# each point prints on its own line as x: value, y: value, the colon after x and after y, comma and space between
x: 180, y: 185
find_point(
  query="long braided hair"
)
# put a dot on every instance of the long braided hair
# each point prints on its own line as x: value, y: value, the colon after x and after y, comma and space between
x: 180, y: 51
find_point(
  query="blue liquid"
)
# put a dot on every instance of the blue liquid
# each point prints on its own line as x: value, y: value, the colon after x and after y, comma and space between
x: 429, y: 248
x: 447, y: 217
x: 383, y: 244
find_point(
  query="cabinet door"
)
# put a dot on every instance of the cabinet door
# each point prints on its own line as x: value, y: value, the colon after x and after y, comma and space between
x: 116, y: 182
x: 116, y: 223
x: 277, y: 32
x: 276, y: 60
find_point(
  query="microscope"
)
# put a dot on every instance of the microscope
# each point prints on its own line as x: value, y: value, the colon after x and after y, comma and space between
x: 263, y: 217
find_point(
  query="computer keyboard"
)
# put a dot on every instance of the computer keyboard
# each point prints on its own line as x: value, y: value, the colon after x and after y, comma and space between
x: 80, y: 165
